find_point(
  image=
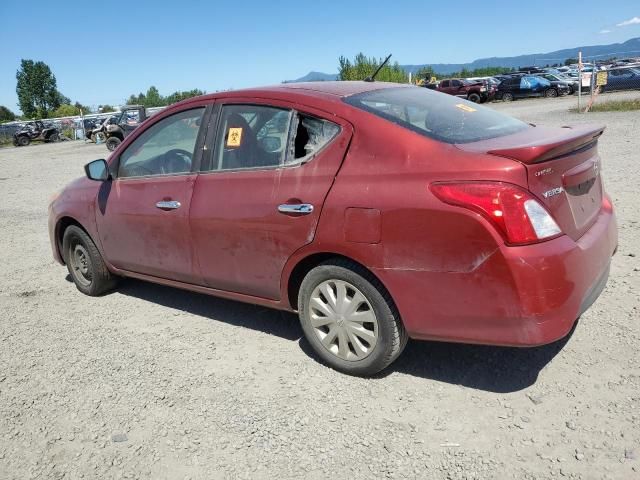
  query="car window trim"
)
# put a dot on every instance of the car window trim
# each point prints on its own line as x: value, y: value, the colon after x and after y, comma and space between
x: 211, y: 144
x: 197, y: 148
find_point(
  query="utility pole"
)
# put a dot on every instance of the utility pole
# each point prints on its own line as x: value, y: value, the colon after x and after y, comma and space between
x: 579, y: 81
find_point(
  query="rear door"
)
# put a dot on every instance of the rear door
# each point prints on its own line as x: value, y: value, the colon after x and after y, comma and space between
x: 261, y: 190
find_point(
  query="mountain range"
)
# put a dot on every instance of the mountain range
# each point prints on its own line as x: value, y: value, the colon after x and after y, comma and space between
x: 591, y: 52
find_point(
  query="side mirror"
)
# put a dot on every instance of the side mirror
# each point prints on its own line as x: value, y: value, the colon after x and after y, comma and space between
x: 97, y: 170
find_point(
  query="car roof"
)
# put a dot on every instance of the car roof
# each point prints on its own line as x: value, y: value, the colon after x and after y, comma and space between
x: 318, y: 94
x: 327, y: 90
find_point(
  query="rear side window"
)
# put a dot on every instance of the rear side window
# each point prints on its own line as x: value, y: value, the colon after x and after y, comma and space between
x: 262, y: 137
x: 436, y: 115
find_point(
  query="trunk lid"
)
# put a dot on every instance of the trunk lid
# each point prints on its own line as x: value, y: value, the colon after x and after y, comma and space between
x: 563, y: 170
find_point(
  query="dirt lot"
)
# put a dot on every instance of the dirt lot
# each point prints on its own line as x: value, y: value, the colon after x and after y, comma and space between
x: 150, y: 382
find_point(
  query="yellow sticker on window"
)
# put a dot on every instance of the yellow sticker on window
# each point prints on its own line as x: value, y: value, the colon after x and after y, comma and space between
x: 234, y: 137
x: 466, y: 108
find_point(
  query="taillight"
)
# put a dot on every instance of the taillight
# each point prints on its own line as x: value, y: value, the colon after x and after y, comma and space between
x: 513, y: 211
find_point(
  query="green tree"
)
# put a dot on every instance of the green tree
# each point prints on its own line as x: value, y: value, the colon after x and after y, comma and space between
x: 362, y: 67
x: 179, y: 96
x: 82, y: 108
x: 64, y: 110
x: 139, y: 99
x: 153, y: 98
x: 36, y: 89
x: 570, y: 61
x: 106, y: 108
x: 6, y: 115
x: 68, y: 110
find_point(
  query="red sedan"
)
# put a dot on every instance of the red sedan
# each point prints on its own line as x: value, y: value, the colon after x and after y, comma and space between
x: 377, y: 211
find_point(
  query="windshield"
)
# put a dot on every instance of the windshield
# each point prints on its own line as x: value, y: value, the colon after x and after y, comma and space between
x: 436, y: 115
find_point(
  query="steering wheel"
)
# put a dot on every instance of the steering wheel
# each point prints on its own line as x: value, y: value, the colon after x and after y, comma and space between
x: 176, y: 161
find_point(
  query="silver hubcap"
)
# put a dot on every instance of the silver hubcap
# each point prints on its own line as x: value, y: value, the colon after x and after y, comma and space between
x: 81, y: 265
x: 343, y: 320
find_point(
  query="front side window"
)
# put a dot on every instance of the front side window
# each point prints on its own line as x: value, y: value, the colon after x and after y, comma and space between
x: 436, y: 115
x: 258, y: 137
x: 165, y: 148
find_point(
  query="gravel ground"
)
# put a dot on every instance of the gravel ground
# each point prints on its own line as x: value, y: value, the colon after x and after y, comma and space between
x: 151, y: 382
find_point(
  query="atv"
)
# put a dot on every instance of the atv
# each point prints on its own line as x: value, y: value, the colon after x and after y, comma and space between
x: 122, y: 124
x: 35, y: 131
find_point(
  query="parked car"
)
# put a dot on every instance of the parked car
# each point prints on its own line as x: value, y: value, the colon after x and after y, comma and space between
x: 625, y: 78
x: 119, y: 126
x: 528, y: 86
x: 35, y: 131
x: 572, y: 84
x: 477, y: 91
x: 376, y: 211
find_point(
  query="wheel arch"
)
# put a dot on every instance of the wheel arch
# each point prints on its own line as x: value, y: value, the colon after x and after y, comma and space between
x: 61, y: 225
x: 309, y: 262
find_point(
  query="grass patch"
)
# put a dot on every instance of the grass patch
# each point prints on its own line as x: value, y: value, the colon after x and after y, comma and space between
x: 614, y: 106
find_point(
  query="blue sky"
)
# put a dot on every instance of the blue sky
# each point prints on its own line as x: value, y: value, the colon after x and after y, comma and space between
x: 100, y: 56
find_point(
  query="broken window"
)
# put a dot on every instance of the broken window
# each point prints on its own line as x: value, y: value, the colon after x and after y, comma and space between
x: 310, y: 135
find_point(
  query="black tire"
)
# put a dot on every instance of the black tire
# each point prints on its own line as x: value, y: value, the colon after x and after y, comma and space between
x: 392, y: 337
x: 85, y: 264
x: 507, y: 97
x: 112, y: 143
x: 23, y: 141
x: 54, y: 137
x: 551, y: 93
x: 474, y: 97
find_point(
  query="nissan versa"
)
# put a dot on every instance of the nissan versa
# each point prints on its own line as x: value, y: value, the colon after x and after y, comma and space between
x: 376, y: 211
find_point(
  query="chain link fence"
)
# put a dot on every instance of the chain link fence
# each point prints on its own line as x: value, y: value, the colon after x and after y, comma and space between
x: 602, y: 77
x: 69, y: 128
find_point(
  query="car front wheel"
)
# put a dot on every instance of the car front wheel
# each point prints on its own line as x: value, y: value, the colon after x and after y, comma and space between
x: 552, y: 92
x: 349, y: 318
x: 85, y: 264
x: 507, y: 97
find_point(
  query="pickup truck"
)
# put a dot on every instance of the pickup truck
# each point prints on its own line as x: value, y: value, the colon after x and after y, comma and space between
x: 474, y: 91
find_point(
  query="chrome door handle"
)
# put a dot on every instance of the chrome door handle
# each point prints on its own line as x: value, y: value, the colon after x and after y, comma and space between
x: 168, y: 205
x: 300, y: 208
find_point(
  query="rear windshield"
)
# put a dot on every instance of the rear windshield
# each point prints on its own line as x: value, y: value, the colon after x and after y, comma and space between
x: 436, y: 115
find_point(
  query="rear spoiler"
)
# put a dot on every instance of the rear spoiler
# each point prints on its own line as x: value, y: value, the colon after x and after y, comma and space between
x: 538, y: 144
x: 557, y: 146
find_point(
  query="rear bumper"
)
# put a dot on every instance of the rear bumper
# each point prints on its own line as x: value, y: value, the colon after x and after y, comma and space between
x: 519, y: 296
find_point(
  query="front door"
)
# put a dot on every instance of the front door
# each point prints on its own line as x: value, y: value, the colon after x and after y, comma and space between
x: 143, y: 214
x: 259, y: 195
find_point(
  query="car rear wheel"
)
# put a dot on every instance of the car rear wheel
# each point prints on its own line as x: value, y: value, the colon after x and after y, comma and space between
x: 507, y: 97
x: 474, y: 97
x: 23, y: 141
x: 350, y: 319
x: 112, y: 143
x: 85, y: 264
x: 551, y: 93
x: 54, y: 137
